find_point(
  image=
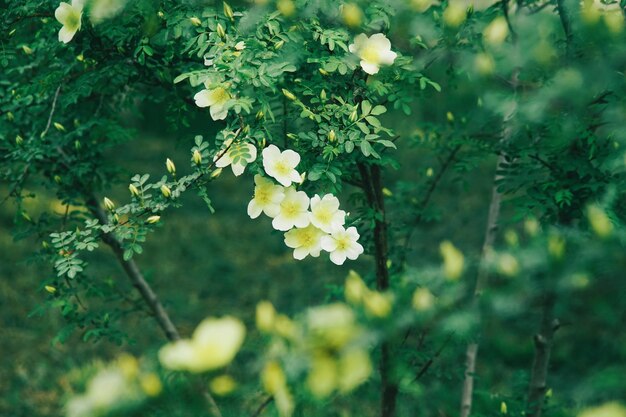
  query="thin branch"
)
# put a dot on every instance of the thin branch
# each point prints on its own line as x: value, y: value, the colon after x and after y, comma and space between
x: 567, y: 26
x: 264, y: 404
x: 54, y: 105
x: 543, y: 347
x: 135, y: 275
x: 430, y: 361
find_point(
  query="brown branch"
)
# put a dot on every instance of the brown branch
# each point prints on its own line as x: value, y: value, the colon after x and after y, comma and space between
x: 264, y: 404
x: 135, y: 275
x: 490, y: 234
x: 372, y: 186
x: 543, y: 346
x: 431, y: 360
x: 54, y: 105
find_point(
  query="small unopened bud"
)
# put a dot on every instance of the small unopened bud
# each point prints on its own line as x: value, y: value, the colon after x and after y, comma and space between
x: 323, y: 71
x: 59, y: 127
x: 19, y: 140
x: 10, y: 116
x: 116, y: 218
x: 240, y: 46
x: 216, y: 173
x: 80, y: 57
x: 228, y: 11
x: 50, y: 289
x: 133, y: 190
x: 503, y: 408
x: 153, y: 219
x: 292, y: 136
x: 197, y: 157
x: 279, y: 44
x: 323, y: 95
x: 195, y: 21
x: 260, y: 115
x: 332, y: 136
x: 289, y: 95
x: 77, y: 145
x: 109, y: 204
x: 246, y: 129
x: 171, y: 168
x: 161, y: 14
x: 27, y: 50
x: 166, y: 191
x: 354, y: 116
x: 57, y: 179
x: 220, y: 31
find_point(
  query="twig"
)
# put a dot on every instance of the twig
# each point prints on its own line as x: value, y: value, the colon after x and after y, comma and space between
x: 264, y: 404
x: 430, y: 361
x: 54, y: 105
x: 567, y: 26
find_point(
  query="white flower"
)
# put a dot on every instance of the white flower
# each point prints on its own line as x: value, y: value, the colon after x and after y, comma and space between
x: 70, y: 17
x: 281, y: 165
x: 238, y: 156
x: 325, y: 213
x: 293, y: 211
x: 240, y: 46
x: 216, y: 99
x: 214, y: 344
x: 267, y: 198
x: 342, y: 244
x: 306, y: 241
x: 373, y: 51
x: 208, y: 62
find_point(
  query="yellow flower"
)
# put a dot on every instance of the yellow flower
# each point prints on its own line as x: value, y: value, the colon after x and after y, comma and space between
x: 69, y: 15
x: 600, y: 222
x: 423, y: 299
x: 216, y: 100
x: 453, y: 260
x: 354, y: 288
x: 374, y: 51
x: 322, y: 378
x: 497, y: 31
x: 214, y: 344
x: 223, y: 385
x: 265, y: 316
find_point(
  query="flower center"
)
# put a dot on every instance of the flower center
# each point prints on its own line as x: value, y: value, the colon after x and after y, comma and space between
x: 323, y: 214
x: 291, y: 209
x: 282, y: 168
x: 342, y: 243
x: 370, y: 54
x: 72, y: 20
x: 262, y: 196
x: 221, y: 95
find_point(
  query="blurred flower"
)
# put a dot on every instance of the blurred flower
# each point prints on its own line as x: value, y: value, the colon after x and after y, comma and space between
x: 377, y: 304
x: 286, y: 7
x: 508, y: 265
x: 373, y: 51
x: 237, y: 156
x: 281, y: 165
x: 275, y: 383
x: 151, y: 384
x: 105, y: 9
x: 222, y: 385
x: 267, y: 198
x: 216, y: 100
x: 421, y: 5
x: 293, y: 211
x: 600, y: 222
x: 70, y: 17
x: 214, y: 344
x: 453, y: 260
x: 305, y: 241
x: 342, y: 244
x: 355, y: 288
x: 332, y: 325
x: 325, y: 213
x: 352, y: 14
x: 355, y: 367
x: 496, y: 32
x: 423, y: 299
x: 455, y: 14
x: 265, y: 316
x: 612, y: 409
x: 240, y: 46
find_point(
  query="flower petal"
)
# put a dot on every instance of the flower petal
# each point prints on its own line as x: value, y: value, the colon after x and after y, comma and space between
x: 369, y: 67
x: 66, y: 35
x: 254, y: 210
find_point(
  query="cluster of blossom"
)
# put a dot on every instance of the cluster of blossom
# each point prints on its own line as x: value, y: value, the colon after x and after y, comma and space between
x: 311, y: 224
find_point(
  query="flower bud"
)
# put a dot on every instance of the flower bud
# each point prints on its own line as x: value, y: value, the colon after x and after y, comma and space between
x: 77, y: 145
x: 166, y: 191
x: 109, y: 204
x: 332, y: 136
x: 161, y: 14
x: 323, y: 71
x: 216, y: 173
x: 354, y: 116
x: 171, y: 168
x: 27, y: 50
x: 220, y: 31
x: 265, y: 316
x: 116, y: 218
x: 279, y: 44
x: 289, y: 95
x: 503, y: 408
x: 352, y: 15
x: 240, y: 46
x: 197, y: 157
x: 228, y: 11
x: 195, y: 21
x: 50, y: 289
x: 292, y: 136
x: 10, y: 116
x: 323, y: 95
x: 260, y: 115
x: 19, y: 140
x: 153, y: 219
x: 133, y: 190
x: 59, y: 127
x: 57, y: 179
